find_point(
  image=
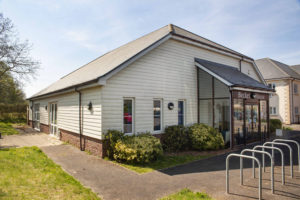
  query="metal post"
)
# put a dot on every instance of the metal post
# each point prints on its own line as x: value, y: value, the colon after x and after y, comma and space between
x: 295, y: 142
x: 272, y: 164
x: 248, y: 157
x: 291, y: 153
x: 282, y: 159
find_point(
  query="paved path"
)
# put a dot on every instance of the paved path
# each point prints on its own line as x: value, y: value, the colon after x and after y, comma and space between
x: 111, y: 181
x: 28, y: 139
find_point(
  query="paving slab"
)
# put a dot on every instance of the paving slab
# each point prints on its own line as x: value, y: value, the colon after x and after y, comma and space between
x: 28, y: 139
x: 111, y: 181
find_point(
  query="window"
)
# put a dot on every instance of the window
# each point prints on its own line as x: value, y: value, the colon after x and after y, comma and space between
x: 181, y: 113
x: 272, y: 85
x: 295, y: 89
x: 296, y: 110
x: 37, y: 116
x: 157, y: 115
x: 273, y: 110
x: 128, y: 117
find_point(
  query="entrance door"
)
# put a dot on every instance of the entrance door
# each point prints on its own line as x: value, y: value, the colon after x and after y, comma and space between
x: 36, y: 116
x: 53, y: 119
x: 252, y: 122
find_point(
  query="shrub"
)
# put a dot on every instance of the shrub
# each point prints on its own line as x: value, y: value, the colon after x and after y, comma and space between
x: 175, y: 138
x: 204, y: 137
x: 275, y: 124
x: 287, y: 128
x: 111, y: 139
x: 138, y: 149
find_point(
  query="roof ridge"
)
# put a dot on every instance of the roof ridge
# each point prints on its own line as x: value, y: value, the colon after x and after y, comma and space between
x: 211, y: 41
x: 116, y: 49
x: 272, y: 62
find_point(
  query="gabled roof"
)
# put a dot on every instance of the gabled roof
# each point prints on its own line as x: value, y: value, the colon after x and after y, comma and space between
x: 296, y: 68
x: 111, y: 61
x: 272, y: 69
x: 230, y: 76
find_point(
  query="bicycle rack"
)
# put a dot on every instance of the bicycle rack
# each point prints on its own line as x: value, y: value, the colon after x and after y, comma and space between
x: 291, y: 153
x: 248, y: 157
x: 253, y: 167
x: 282, y: 159
x: 295, y: 142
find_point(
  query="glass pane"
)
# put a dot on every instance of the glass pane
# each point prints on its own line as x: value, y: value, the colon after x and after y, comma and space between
x: 205, y: 84
x: 222, y: 118
x: 263, y: 118
x: 157, y: 115
x: 55, y: 115
x: 248, y: 120
x: 206, y: 112
x: 180, y: 112
x: 127, y: 116
x: 238, y: 121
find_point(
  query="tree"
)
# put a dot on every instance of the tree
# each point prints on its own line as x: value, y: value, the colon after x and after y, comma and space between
x: 14, y: 54
x: 10, y: 91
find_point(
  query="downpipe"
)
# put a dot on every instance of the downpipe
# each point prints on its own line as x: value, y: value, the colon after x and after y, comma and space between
x: 80, y: 119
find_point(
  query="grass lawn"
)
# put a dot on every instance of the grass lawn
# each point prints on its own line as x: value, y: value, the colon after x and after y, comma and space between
x: 6, y: 128
x: 27, y: 173
x: 163, y: 162
x: 187, y: 194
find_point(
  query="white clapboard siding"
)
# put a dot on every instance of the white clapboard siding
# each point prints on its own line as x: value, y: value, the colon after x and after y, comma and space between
x: 167, y: 72
x: 68, y: 111
x: 248, y: 69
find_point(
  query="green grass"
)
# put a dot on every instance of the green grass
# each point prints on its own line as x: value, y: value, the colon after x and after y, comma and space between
x: 187, y: 194
x: 162, y: 162
x: 27, y: 173
x: 6, y: 128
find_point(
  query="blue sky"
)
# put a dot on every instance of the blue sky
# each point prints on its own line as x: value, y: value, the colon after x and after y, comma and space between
x: 69, y: 33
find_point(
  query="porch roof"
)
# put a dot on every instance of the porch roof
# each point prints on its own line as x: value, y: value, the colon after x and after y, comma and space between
x: 230, y: 76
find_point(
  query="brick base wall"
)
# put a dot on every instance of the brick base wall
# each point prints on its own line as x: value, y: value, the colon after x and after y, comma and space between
x: 44, y: 128
x: 30, y: 123
x: 92, y: 145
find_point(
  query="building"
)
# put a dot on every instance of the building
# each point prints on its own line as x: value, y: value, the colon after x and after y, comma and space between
x: 167, y: 77
x: 285, y: 103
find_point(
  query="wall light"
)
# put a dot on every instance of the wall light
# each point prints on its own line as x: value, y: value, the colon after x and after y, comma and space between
x: 90, y: 106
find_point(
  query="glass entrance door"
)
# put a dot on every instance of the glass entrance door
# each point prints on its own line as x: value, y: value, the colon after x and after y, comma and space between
x: 252, y: 122
x: 36, y: 116
x: 53, y: 119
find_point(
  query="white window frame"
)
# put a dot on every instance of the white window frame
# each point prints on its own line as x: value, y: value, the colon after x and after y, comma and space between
x: 161, y: 115
x: 296, y: 109
x: 296, y: 91
x: 184, y: 111
x: 53, y: 125
x: 37, y: 113
x: 275, y: 110
x: 133, y: 115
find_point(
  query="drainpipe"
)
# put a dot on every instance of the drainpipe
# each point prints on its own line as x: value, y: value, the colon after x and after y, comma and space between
x: 240, y: 62
x: 292, y: 87
x: 80, y: 129
x: 32, y: 114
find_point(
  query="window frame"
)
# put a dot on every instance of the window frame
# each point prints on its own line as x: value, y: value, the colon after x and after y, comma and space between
x: 296, y: 109
x: 184, y: 112
x: 161, y: 115
x: 274, y: 110
x: 295, y: 88
x: 37, y: 114
x: 133, y: 115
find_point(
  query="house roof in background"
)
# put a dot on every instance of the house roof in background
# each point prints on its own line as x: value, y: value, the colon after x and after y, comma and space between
x: 231, y: 75
x: 108, y: 62
x: 296, y: 68
x: 272, y: 69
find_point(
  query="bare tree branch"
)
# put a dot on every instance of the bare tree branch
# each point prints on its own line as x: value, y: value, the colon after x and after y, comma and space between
x: 15, y: 55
